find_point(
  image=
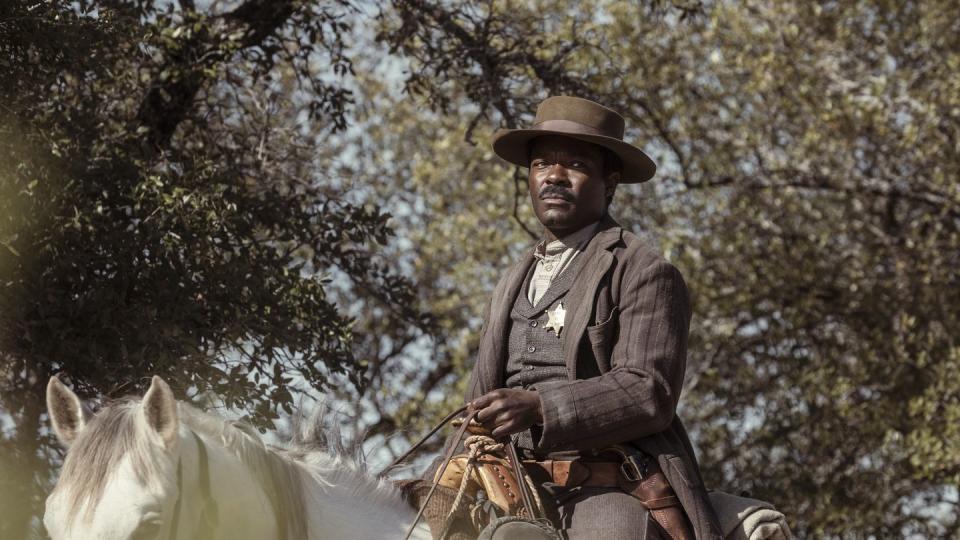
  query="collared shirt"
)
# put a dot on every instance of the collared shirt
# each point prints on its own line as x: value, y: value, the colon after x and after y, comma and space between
x: 554, y: 257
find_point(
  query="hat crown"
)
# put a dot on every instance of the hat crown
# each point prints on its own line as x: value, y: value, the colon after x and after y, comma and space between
x: 598, y: 119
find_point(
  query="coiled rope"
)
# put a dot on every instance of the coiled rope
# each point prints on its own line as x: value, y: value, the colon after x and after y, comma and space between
x: 476, y: 446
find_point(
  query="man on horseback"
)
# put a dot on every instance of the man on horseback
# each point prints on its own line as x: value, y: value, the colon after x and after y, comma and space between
x: 583, y: 349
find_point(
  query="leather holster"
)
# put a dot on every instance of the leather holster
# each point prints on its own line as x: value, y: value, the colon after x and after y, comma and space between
x: 637, y: 475
x: 641, y: 477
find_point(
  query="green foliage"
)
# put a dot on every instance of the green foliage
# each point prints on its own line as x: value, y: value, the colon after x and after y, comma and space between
x: 807, y: 189
x: 161, y: 212
x: 453, y: 205
x: 201, y: 194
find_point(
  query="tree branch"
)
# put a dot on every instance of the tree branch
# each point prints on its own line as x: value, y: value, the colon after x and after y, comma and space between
x: 171, y: 96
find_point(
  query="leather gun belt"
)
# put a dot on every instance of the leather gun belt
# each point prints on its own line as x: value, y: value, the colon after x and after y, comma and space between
x: 651, y: 488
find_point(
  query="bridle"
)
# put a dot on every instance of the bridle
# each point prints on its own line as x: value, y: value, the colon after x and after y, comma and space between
x: 208, y: 514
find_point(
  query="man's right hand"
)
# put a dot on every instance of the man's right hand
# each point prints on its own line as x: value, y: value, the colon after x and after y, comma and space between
x: 506, y: 411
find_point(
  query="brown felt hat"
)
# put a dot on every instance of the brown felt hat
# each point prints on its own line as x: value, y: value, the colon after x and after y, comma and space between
x: 581, y: 119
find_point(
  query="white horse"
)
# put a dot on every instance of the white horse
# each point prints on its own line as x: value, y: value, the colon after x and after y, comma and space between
x: 156, y: 469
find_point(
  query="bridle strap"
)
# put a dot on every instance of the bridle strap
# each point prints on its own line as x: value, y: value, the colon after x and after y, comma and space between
x: 176, y: 507
x: 209, y: 514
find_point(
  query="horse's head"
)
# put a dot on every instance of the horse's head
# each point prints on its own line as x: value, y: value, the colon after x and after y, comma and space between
x: 155, y: 469
x: 119, y: 479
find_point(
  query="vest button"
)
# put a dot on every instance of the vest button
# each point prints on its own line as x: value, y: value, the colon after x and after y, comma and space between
x: 531, y: 349
x: 533, y: 324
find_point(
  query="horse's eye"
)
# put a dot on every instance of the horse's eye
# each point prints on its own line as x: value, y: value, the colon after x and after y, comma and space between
x: 147, y: 530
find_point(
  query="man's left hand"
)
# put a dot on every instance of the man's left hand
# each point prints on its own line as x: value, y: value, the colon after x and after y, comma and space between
x: 507, y: 410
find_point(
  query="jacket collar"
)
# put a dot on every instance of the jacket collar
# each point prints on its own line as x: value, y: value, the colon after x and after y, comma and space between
x: 596, y: 260
x: 561, y: 284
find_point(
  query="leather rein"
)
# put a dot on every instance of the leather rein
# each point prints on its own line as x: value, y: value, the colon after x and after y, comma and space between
x: 209, y: 514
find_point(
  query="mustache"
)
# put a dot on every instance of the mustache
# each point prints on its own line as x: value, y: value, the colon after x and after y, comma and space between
x: 555, y: 190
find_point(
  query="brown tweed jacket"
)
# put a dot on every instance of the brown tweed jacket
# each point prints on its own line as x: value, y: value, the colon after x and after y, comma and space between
x: 625, y: 353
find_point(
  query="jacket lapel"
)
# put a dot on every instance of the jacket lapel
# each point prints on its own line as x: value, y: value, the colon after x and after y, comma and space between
x: 494, y: 361
x: 558, y: 288
x: 597, y: 260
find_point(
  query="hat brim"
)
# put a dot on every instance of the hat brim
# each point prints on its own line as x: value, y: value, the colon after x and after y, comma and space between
x: 513, y: 145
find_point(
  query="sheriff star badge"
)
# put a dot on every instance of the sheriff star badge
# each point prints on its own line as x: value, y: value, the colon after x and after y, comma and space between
x: 556, y: 319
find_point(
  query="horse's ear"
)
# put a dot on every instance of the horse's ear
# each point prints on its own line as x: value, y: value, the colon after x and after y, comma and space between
x: 67, y: 413
x: 160, y: 410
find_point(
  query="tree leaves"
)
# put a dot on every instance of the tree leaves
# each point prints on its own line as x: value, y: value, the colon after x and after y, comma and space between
x: 171, y: 216
x: 804, y: 192
x: 213, y: 195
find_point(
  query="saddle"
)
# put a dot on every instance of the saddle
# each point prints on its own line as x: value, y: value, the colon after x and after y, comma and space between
x: 488, y: 492
x: 483, y: 493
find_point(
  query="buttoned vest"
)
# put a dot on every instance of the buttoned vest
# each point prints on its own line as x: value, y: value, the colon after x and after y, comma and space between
x: 535, y: 353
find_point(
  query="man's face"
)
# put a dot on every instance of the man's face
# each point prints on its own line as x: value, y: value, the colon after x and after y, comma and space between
x: 567, y: 186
